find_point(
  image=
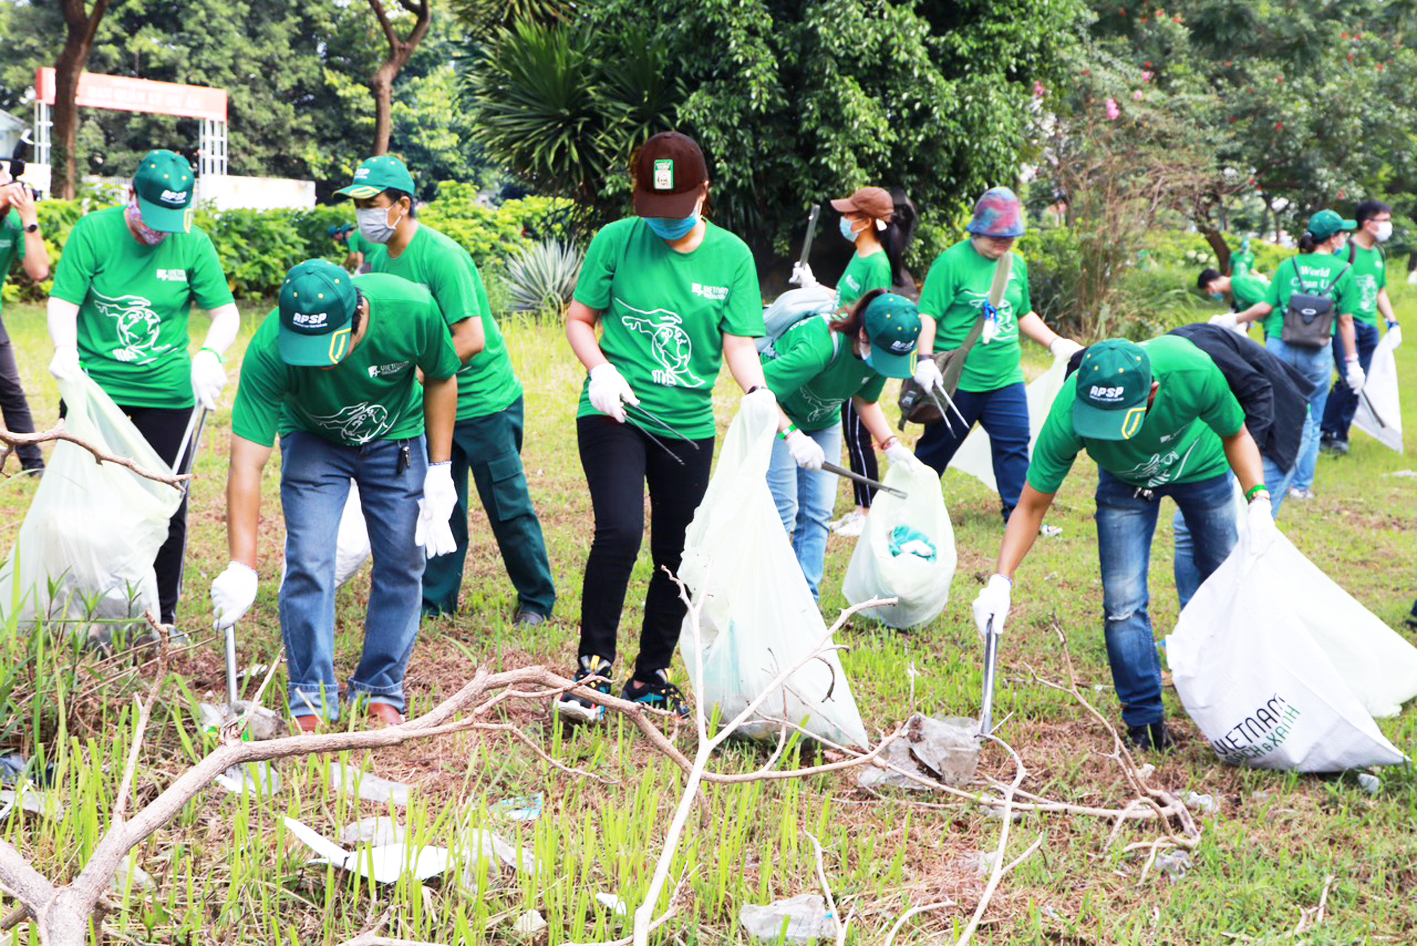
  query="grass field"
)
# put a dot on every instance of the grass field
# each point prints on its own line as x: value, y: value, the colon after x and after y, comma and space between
x: 227, y: 870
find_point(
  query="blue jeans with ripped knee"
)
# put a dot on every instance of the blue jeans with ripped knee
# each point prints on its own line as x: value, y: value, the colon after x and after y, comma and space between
x: 1126, y: 523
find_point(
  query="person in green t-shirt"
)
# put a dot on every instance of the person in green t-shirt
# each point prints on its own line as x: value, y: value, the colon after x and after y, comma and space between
x: 867, y: 220
x: 1242, y: 291
x: 333, y: 372
x: 1316, y: 270
x: 674, y: 296
x: 1158, y: 419
x: 817, y: 366
x: 487, y: 440
x: 20, y: 240
x: 991, y: 390
x: 364, y: 253
x: 119, y: 309
x: 1369, y: 267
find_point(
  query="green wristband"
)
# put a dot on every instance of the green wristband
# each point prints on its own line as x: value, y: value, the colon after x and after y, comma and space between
x: 219, y: 360
x: 784, y: 434
x: 1258, y: 488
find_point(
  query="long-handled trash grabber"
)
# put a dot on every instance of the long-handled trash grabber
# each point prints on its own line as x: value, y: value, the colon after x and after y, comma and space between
x: 991, y: 652
x: 874, y: 484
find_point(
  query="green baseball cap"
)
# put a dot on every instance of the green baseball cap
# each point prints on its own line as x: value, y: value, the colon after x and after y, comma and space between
x: 378, y: 174
x: 1113, y: 386
x: 317, y: 304
x: 164, y: 183
x: 1326, y: 223
x: 892, y: 323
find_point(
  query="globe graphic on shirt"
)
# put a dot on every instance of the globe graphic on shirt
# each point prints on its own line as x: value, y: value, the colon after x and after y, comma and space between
x: 670, y: 345
x: 136, y: 325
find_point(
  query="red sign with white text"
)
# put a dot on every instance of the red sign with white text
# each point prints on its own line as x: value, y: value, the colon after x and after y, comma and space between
x: 138, y: 95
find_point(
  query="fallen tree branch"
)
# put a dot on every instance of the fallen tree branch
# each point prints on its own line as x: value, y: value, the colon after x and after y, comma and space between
x: 59, y: 432
x: 997, y: 872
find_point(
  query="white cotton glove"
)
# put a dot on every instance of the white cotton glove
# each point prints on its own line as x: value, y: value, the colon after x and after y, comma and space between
x: 806, y: 452
x: 762, y: 393
x: 434, y: 531
x: 608, y: 389
x: 1394, y: 332
x: 65, y: 365
x: 208, y: 378
x: 1229, y: 320
x: 802, y: 275
x: 1353, y: 375
x: 927, y: 375
x: 992, y: 605
x: 898, y: 452
x: 233, y: 593
x: 1063, y: 348
x: 1263, y: 531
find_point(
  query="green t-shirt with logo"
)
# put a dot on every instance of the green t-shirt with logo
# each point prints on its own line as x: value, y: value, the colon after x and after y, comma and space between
x: 486, y: 384
x: 663, y: 315
x: 863, y: 274
x: 955, y: 288
x: 134, y: 301
x: 12, y: 248
x: 359, y: 243
x: 1316, y: 271
x: 373, y: 394
x: 815, y: 372
x: 1369, y: 273
x: 1179, y: 442
x: 1246, y: 291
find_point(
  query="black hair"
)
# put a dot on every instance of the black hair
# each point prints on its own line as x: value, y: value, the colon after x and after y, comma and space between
x: 396, y: 195
x: 850, y: 324
x: 892, y: 240
x: 1207, y: 276
x: 1308, y: 242
x: 1369, y: 209
x: 355, y: 319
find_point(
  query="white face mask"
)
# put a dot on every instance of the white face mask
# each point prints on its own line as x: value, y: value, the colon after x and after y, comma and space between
x: 374, y: 223
x: 1384, y: 231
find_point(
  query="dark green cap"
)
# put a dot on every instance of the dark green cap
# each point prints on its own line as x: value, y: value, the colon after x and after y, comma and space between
x: 377, y: 175
x: 317, y: 304
x: 1113, y: 386
x: 1326, y: 223
x: 892, y: 323
x: 164, y: 183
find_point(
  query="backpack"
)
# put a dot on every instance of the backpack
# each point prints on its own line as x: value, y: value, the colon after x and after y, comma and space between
x: 793, y: 306
x: 1308, y: 317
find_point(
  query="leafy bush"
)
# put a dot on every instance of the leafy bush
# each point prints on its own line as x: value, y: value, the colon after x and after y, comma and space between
x: 542, y: 277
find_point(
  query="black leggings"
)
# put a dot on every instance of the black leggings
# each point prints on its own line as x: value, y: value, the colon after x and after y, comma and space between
x: 619, y: 461
x: 861, y: 452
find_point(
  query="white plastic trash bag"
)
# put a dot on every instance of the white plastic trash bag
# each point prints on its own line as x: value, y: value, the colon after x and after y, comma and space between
x: 889, y: 562
x: 757, y: 615
x: 87, y: 545
x: 1260, y: 688
x: 975, y: 456
x: 1379, y: 413
x: 351, y: 541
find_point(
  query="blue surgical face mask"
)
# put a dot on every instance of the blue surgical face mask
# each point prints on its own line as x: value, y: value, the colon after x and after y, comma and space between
x: 1218, y: 296
x: 672, y: 228
x: 847, y: 232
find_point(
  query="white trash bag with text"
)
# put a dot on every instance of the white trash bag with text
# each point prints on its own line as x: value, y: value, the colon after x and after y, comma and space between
x: 1257, y: 684
x: 757, y: 615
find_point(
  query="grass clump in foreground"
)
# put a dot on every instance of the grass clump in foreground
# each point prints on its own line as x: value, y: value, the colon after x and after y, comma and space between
x: 227, y: 870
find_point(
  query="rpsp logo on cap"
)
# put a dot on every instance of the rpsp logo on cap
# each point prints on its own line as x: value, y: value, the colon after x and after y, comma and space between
x: 361, y: 173
x: 664, y: 174
x: 310, y: 320
x: 1099, y: 393
x: 174, y: 197
x: 903, y: 346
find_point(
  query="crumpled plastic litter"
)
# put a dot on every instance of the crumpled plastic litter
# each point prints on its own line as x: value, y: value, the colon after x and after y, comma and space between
x: 1196, y: 802
x: 1174, y: 864
x: 520, y: 808
x: 261, y: 725
x: 907, y: 541
x: 805, y: 916
x: 367, y: 786
x: 943, y: 749
x: 377, y: 830
x: 260, y: 777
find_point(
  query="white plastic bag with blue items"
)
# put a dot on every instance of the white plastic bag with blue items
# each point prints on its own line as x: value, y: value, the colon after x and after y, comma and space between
x: 86, y: 548
x: 757, y: 617
x: 890, y: 563
x: 1258, y: 684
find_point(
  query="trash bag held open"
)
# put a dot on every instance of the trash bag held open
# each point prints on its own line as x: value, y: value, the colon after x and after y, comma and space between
x: 906, y: 551
x: 757, y: 616
x: 1259, y: 686
x: 86, y: 548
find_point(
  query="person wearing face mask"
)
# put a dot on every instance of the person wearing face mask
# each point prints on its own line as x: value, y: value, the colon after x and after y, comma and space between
x: 364, y: 253
x: 991, y: 390
x: 1318, y: 269
x: 487, y: 440
x: 1241, y: 291
x: 1364, y: 254
x: 119, y: 309
x: 674, y: 296
x: 21, y: 240
x: 817, y: 366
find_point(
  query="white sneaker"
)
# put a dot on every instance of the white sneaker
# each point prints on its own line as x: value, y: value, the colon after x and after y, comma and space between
x: 1300, y: 494
x: 850, y: 525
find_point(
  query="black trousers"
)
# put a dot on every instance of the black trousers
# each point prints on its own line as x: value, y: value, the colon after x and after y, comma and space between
x: 860, y: 451
x: 13, y: 405
x: 619, y: 462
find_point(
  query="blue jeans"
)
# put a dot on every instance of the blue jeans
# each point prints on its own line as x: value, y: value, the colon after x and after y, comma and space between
x: 1126, y: 523
x: 1342, y: 402
x: 314, y: 484
x: 805, y: 501
x: 1003, y: 413
x: 1316, y: 365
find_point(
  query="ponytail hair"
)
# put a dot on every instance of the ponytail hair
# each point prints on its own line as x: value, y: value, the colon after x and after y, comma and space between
x: 850, y: 324
x: 892, y: 240
x: 1307, y: 242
